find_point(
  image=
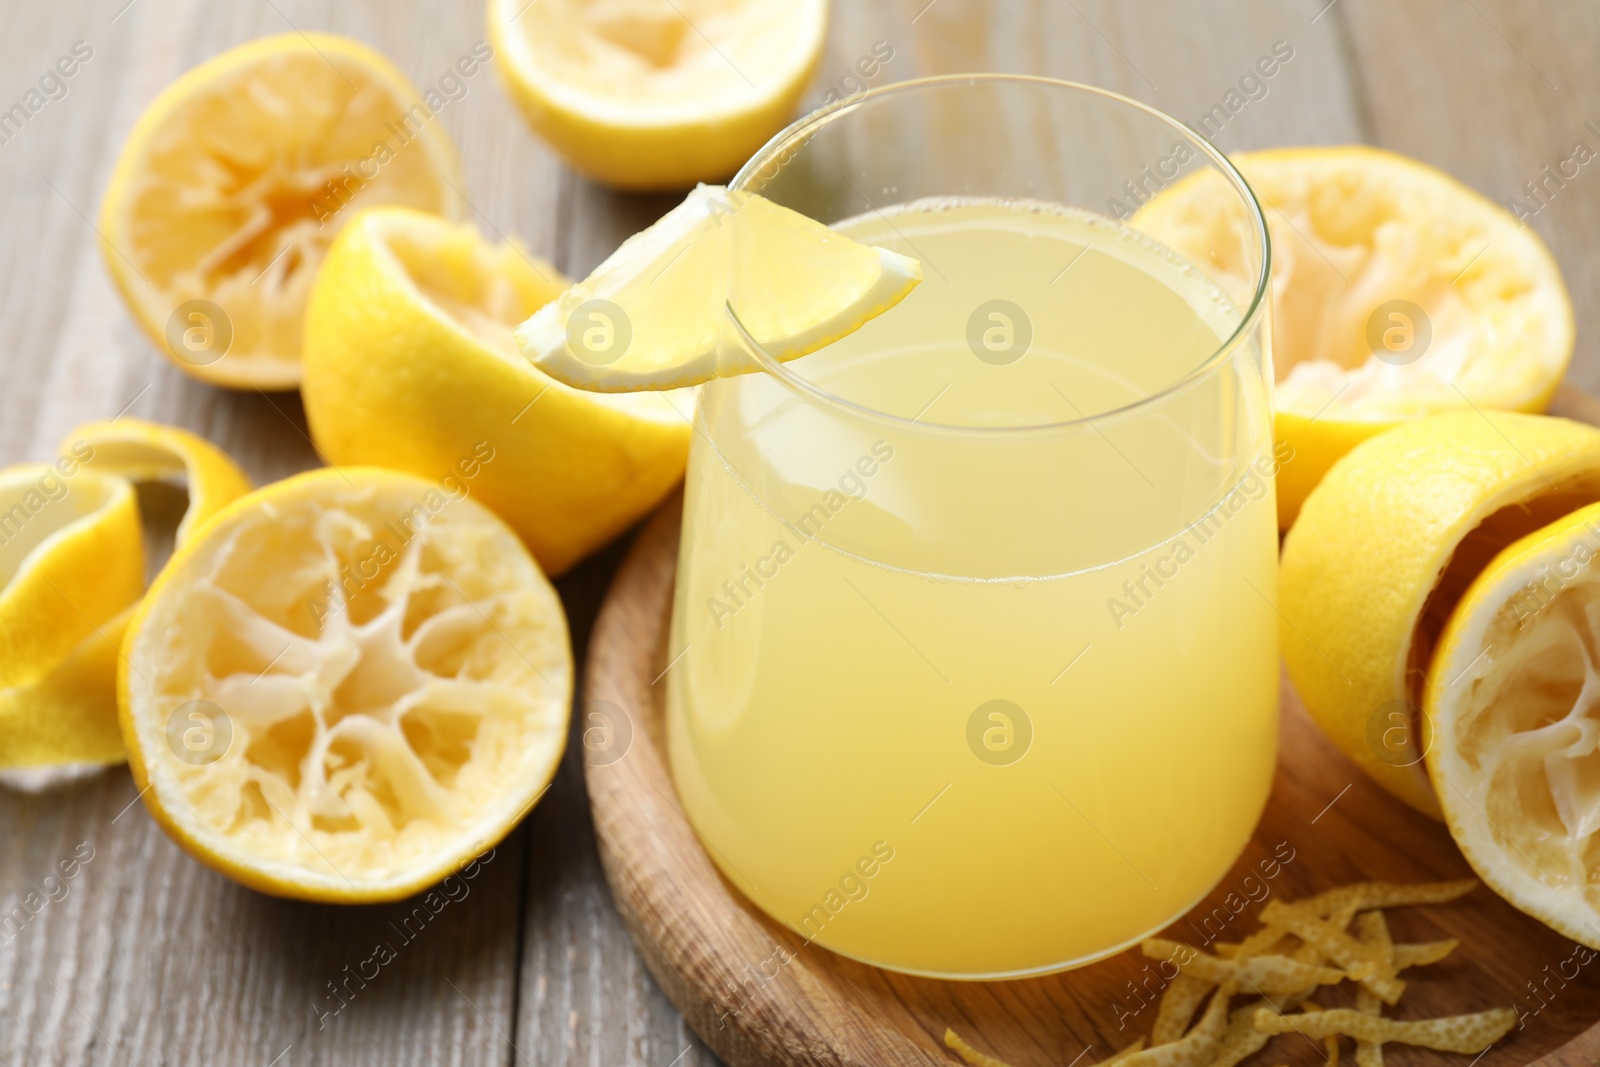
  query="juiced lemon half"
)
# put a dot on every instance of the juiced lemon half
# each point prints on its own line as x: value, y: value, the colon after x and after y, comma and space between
x: 236, y: 179
x: 1383, y: 550
x: 411, y: 364
x: 1397, y: 292
x: 1513, y: 698
x: 654, y: 314
x: 346, y: 685
x: 657, y: 94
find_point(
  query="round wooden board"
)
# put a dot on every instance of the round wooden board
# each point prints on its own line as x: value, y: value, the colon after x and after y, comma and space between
x: 759, y: 995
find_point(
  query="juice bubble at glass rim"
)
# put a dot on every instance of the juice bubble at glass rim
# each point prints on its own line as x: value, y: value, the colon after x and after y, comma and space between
x: 975, y: 606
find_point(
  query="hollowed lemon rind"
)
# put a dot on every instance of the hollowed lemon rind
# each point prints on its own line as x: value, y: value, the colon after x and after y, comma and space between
x: 309, y: 861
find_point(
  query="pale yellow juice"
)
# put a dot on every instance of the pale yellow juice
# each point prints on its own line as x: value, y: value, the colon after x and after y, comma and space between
x: 961, y: 690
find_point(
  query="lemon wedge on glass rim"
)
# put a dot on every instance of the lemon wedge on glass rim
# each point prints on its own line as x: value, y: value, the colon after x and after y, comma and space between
x: 65, y: 710
x: 657, y: 94
x: 1397, y: 292
x: 1513, y: 702
x: 236, y: 178
x: 345, y: 686
x: 654, y: 314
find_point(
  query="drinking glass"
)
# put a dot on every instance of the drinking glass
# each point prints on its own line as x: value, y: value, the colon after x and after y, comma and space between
x: 975, y: 661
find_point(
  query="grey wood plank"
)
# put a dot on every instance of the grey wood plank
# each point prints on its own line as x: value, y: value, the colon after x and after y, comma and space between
x: 1183, y: 58
x: 585, y: 997
x: 145, y: 956
x: 1493, y: 92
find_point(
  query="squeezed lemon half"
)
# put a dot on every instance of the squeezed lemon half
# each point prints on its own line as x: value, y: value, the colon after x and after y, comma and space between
x: 1397, y: 292
x: 1383, y: 550
x: 235, y: 180
x: 657, y: 94
x: 1512, y: 701
x: 345, y: 685
x: 411, y: 364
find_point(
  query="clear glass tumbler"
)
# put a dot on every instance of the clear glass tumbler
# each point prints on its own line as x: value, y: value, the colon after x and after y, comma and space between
x: 977, y: 661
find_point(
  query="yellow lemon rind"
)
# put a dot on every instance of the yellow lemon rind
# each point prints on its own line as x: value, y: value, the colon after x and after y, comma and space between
x: 1361, y: 562
x: 159, y: 790
x: 642, y: 149
x: 78, y: 577
x: 1521, y: 378
x: 1463, y: 646
x: 393, y: 380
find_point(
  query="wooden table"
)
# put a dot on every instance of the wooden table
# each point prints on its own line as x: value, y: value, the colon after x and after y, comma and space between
x: 150, y: 958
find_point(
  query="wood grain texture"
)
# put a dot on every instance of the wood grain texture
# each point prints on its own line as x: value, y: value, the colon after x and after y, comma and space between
x: 1493, y: 91
x: 149, y: 958
x: 763, y: 996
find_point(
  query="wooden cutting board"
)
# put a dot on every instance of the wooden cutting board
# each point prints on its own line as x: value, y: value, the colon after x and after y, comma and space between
x: 760, y: 997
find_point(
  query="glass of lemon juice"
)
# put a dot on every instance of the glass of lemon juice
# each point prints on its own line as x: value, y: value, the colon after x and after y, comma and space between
x: 976, y: 648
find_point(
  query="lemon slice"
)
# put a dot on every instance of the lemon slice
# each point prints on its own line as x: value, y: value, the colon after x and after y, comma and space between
x: 71, y: 560
x: 345, y: 685
x: 653, y: 315
x: 1512, y: 700
x: 1397, y: 292
x: 657, y: 94
x: 68, y: 714
x: 1384, y: 548
x: 237, y: 177
x: 411, y: 364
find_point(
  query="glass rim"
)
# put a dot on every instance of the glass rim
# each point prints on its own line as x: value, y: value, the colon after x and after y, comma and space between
x: 802, y: 129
